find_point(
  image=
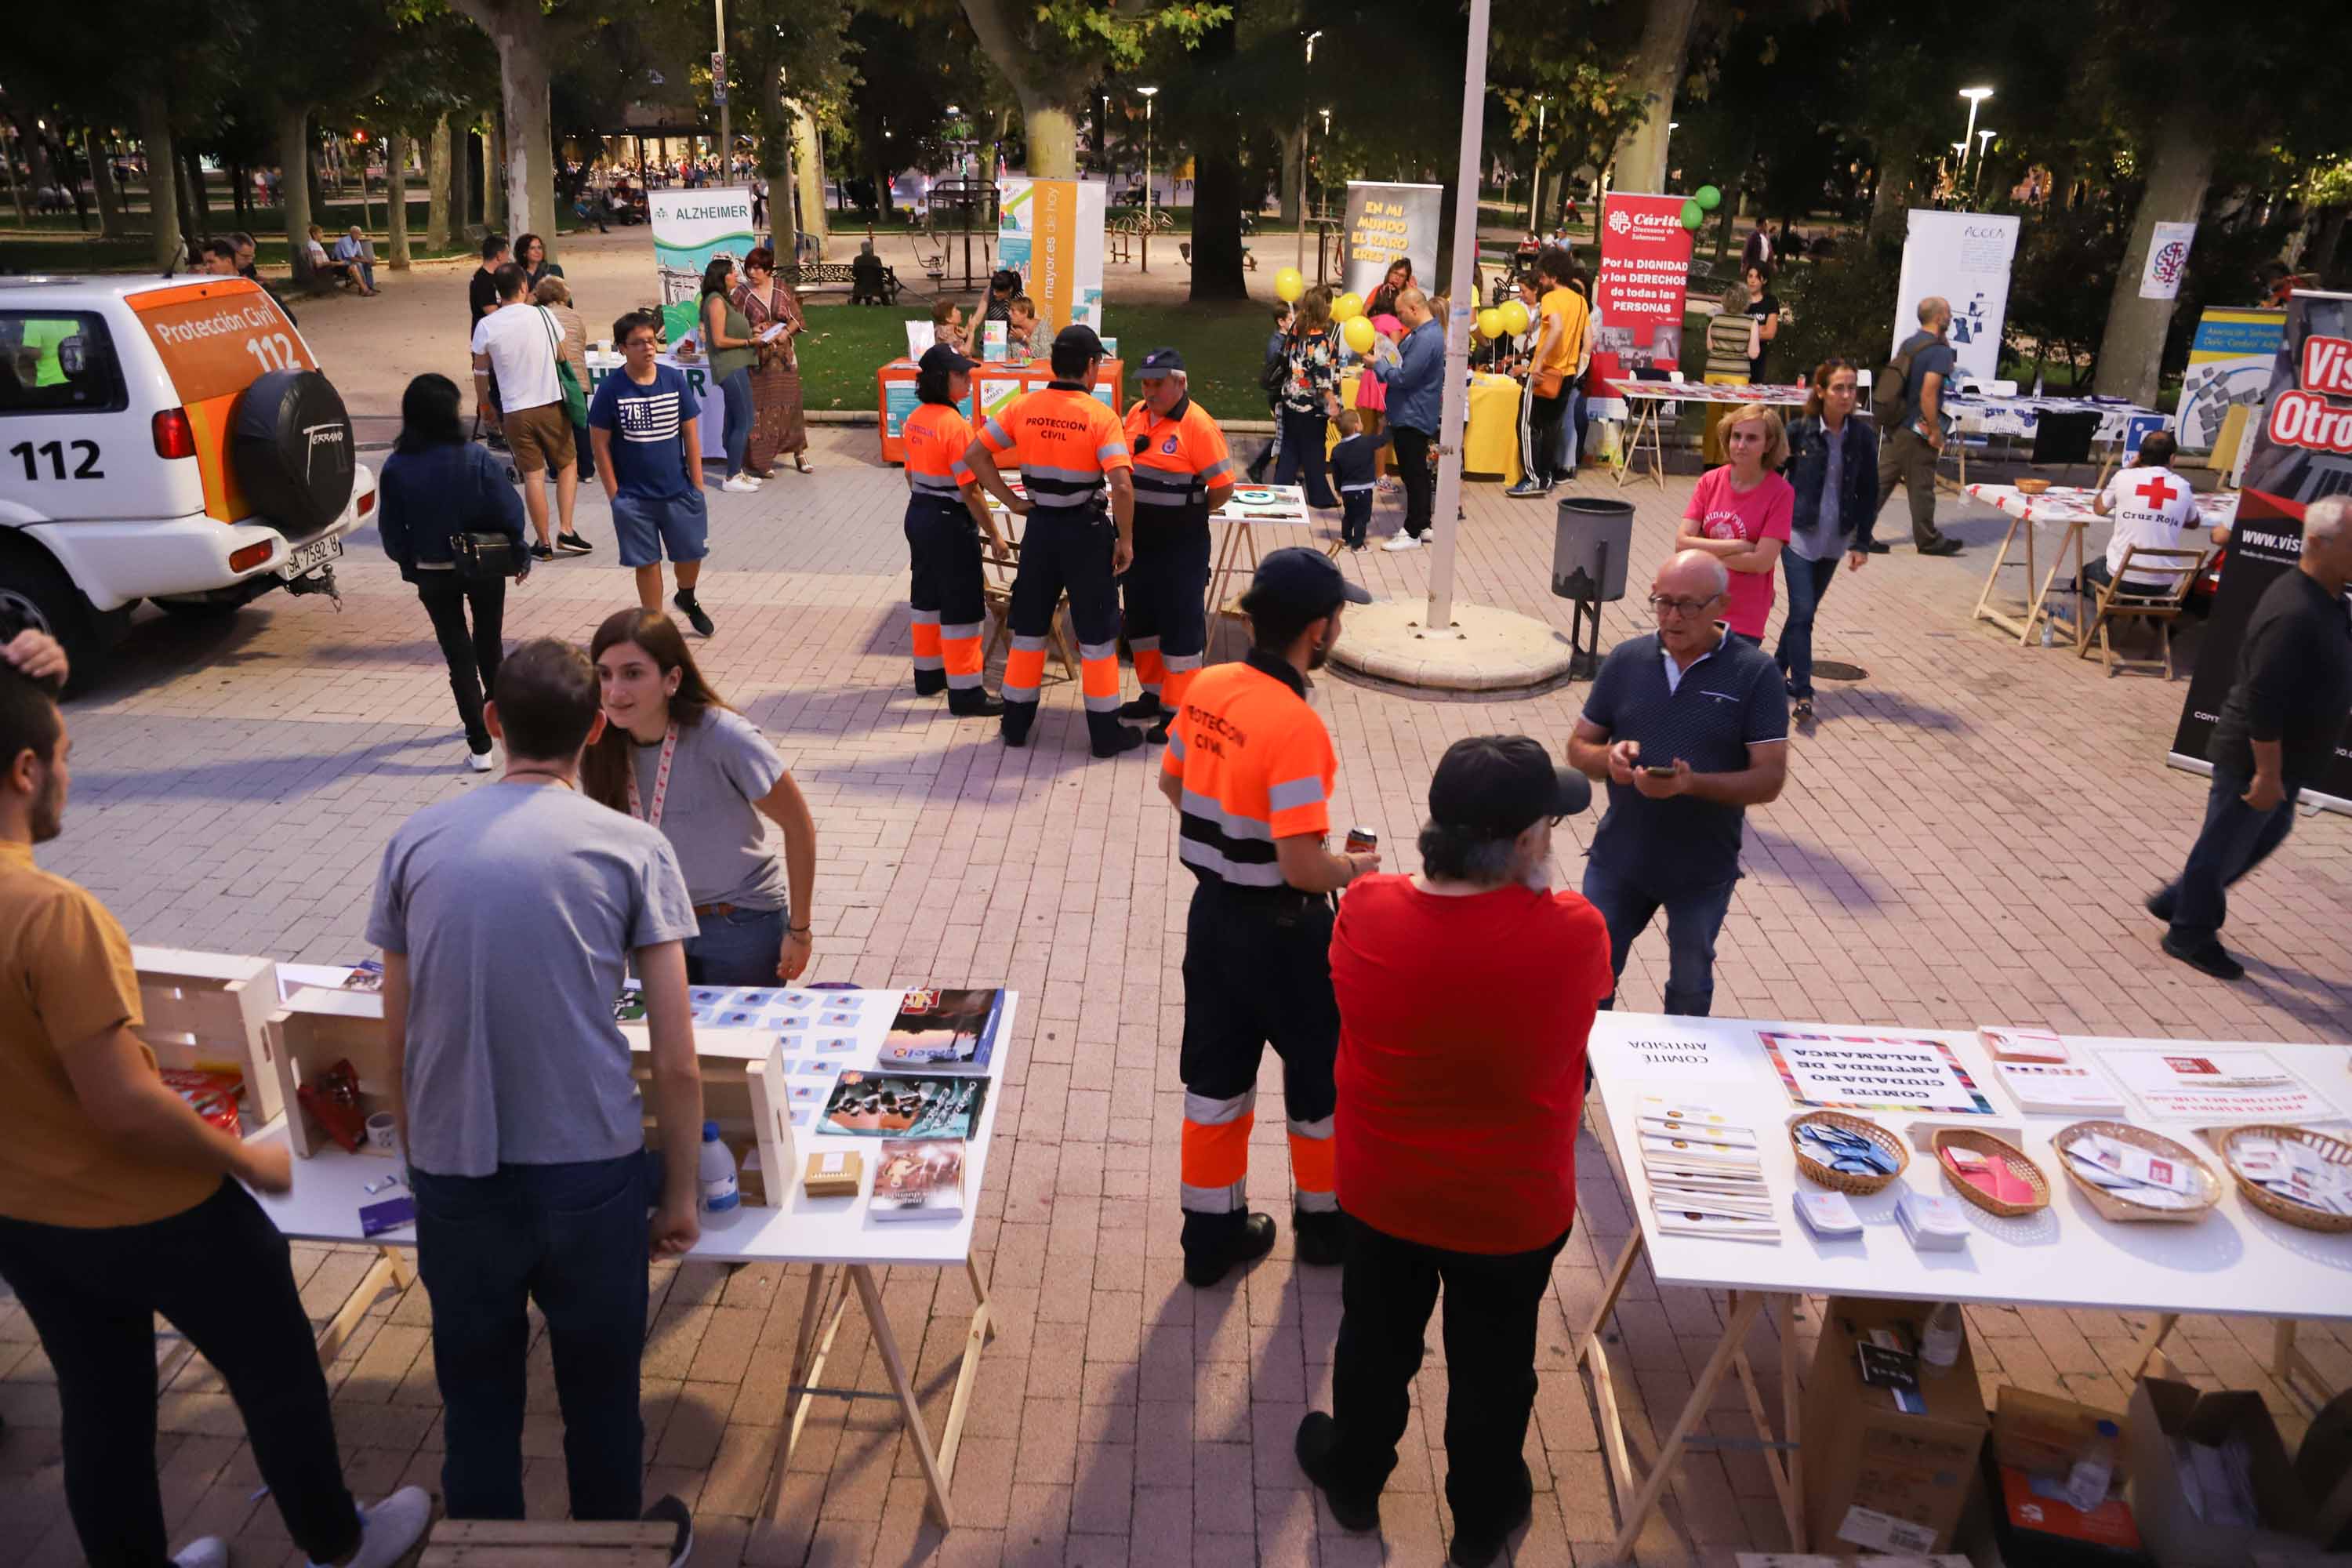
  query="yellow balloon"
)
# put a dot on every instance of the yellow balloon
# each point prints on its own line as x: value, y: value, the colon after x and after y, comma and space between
x: 1359, y: 333
x: 1490, y: 322
x: 1347, y: 308
x: 1288, y: 285
x: 1515, y: 316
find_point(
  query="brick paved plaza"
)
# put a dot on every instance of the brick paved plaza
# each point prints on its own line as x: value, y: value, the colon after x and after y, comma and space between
x: 1965, y: 840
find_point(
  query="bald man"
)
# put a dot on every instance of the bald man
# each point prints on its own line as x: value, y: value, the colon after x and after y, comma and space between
x: 1688, y: 727
x: 1907, y: 452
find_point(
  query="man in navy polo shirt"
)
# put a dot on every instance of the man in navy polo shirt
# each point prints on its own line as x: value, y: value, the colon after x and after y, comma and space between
x: 1688, y: 727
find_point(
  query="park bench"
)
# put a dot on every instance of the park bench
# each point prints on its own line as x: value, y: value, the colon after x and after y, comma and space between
x: 1249, y: 257
x: 806, y: 276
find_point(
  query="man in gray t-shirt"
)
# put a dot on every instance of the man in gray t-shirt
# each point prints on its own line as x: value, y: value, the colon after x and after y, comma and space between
x: 507, y: 917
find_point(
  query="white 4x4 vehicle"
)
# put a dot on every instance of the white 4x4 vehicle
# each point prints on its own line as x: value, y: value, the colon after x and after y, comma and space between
x: 164, y: 438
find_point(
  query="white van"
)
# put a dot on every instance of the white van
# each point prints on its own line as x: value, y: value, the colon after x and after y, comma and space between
x: 164, y: 438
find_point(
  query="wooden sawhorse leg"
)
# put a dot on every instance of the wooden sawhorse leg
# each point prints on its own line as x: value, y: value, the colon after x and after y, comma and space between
x: 391, y: 1269
x: 2151, y: 1343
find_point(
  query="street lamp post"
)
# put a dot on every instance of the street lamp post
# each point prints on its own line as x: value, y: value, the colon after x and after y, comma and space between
x: 1535, y: 188
x: 719, y: 90
x: 1976, y: 97
x: 1301, y: 262
x: 1148, y: 93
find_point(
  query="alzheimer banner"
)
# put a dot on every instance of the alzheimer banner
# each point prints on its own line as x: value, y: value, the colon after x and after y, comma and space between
x: 1386, y: 224
x: 2303, y: 453
x: 1050, y: 232
x: 1964, y: 259
x: 1637, y: 292
x: 689, y: 228
x: 2229, y: 367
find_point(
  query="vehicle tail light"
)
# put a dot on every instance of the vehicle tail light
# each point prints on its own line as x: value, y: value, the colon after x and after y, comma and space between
x: 174, y: 437
x: 367, y: 503
x: 252, y: 555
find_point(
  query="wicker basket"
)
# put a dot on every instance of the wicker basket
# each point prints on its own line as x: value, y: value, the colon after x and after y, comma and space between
x: 2019, y: 1165
x: 2335, y: 1151
x: 1847, y: 1182
x: 2209, y: 1185
x: 2031, y: 487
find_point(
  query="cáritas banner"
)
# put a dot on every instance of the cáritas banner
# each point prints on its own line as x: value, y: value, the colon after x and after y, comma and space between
x: 1637, y: 294
x: 2303, y: 453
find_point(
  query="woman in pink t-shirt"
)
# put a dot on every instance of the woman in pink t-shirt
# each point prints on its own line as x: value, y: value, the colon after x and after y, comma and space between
x: 1739, y: 514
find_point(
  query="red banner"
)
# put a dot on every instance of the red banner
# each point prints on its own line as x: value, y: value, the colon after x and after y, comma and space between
x: 1637, y: 294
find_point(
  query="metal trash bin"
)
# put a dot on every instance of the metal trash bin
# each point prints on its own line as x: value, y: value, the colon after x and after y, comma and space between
x: 1592, y: 542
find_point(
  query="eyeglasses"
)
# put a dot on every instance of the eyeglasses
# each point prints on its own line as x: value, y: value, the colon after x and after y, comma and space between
x: 1660, y: 604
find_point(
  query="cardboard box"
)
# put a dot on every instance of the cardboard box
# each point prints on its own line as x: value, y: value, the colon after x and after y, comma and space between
x: 1877, y: 1479
x: 2044, y: 1435
x: 2176, y: 1536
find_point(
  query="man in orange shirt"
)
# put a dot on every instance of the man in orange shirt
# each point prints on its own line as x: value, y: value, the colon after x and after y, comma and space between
x: 116, y: 1203
x: 1070, y: 452
x: 1551, y: 373
x: 1249, y: 769
x: 1182, y: 473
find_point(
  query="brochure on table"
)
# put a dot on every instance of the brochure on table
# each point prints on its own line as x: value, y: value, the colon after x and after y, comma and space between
x: 2235, y: 1259
x: 845, y: 1030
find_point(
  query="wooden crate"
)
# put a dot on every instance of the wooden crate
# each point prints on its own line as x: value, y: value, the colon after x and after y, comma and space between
x: 744, y: 1091
x: 546, y: 1544
x: 311, y: 1032
x: 211, y: 1010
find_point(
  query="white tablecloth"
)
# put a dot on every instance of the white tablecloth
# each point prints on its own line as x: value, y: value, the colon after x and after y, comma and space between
x: 1980, y: 415
x: 2069, y: 503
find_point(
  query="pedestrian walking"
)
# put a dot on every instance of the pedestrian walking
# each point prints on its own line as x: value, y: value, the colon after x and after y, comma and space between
x: 1740, y: 514
x: 553, y: 295
x: 645, y: 423
x: 520, y: 345
x: 1833, y: 483
x: 1908, y: 400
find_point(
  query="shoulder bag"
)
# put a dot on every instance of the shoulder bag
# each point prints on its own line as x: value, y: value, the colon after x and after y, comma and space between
x: 575, y: 396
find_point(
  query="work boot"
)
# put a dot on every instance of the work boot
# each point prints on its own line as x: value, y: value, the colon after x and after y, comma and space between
x: 930, y: 682
x: 1319, y: 1435
x: 1322, y: 1237
x: 1475, y: 1546
x: 974, y: 702
x: 1147, y: 706
x: 1210, y: 1261
x: 1109, y: 736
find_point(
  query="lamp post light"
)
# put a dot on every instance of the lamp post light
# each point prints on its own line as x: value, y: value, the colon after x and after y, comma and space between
x: 1535, y: 183
x: 1976, y: 97
x: 1148, y: 94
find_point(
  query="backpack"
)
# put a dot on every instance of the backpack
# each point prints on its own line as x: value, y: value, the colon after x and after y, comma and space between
x: 1892, y: 390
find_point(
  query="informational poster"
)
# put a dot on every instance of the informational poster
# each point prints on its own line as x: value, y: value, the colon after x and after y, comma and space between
x: 1638, y: 290
x: 2210, y: 1084
x: 2229, y: 367
x: 2302, y: 452
x: 1386, y: 222
x: 1873, y: 1072
x: 1964, y: 259
x: 2168, y: 259
x: 1051, y: 232
x: 689, y: 228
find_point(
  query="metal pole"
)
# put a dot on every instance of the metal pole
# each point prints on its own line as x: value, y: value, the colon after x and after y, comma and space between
x: 1305, y: 116
x: 1534, y: 195
x: 1970, y: 134
x: 1147, y: 182
x: 1457, y: 326
x: 726, y: 124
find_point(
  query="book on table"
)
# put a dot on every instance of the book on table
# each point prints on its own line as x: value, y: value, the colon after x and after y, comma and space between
x: 919, y: 1178
x: 943, y: 1031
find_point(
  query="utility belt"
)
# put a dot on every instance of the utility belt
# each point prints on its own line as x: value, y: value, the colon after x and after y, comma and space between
x: 1284, y: 906
x: 1092, y: 514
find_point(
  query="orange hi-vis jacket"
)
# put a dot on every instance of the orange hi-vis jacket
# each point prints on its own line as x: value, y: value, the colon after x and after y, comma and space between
x: 1256, y: 765
x: 1063, y: 440
x: 1177, y: 458
x: 937, y: 436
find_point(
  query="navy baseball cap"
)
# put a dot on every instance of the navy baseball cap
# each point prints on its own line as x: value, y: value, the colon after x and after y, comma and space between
x: 1303, y: 580
x: 1500, y: 785
x: 943, y: 359
x: 1078, y: 337
x: 1159, y: 362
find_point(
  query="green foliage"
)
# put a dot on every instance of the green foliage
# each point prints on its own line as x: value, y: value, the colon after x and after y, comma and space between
x: 1840, y: 307
x: 2059, y: 286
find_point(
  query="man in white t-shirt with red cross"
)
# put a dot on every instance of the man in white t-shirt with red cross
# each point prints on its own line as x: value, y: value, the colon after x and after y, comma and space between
x: 2153, y: 507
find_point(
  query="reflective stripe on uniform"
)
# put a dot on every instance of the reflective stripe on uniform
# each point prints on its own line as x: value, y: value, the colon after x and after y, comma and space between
x: 1307, y: 1200
x: 932, y: 485
x: 1226, y: 1199
x: 1319, y: 1127
x: 1213, y: 1160
x: 1152, y: 496
x: 1231, y: 824
x: 1030, y: 472
x: 1207, y: 1112
x: 1143, y: 645
x: 1293, y: 793
x: 1024, y: 670
x: 996, y: 436
x: 1111, y: 450
x: 1240, y: 873
x: 1217, y: 470
x: 925, y: 636
x: 1098, y: 676
x: 1176, y: 661
x: 959, y: 651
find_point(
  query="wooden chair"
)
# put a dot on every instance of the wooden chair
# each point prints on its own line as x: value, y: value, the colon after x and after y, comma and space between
x: 2121, y: 600
x: 997, y: 599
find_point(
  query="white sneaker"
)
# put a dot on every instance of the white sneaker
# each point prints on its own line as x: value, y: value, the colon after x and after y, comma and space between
x: 741, y: 485
x: 478, y: 761
x: 389, y: 1529
x: 1403, y: 541
x: 204, y: 1551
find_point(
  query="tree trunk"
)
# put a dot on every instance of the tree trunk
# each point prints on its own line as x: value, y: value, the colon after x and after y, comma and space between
x: 494, y: 185
x: 463, y: 161
x: 395, y: 201
x: 1045, y: 109
x: 162, y: 204
x: 312, y: 180
x: 1292, y: 191
x: 1095, y: 109
x: 294, y: 153
x: 808, y: 167
x: 778, y: 122
x: 2131, y: 352
x: 1641, y: 157
x: 436, y: 188
x: 101, y: 187
x: 195, y: 219
x: 1898, y: 163
x: 2324, y: 246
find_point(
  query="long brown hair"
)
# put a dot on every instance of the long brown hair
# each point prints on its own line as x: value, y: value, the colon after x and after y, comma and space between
x: 605, y: 771
x: 1822, y: 373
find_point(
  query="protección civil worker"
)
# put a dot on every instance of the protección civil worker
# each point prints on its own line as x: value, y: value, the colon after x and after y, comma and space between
x: 1182, y: 473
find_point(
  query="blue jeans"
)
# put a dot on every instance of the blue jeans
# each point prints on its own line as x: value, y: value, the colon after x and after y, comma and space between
x: 741, y: 948
x: 2234, y: 840
x: 736, y: 432
x: 1808, y: 581
x: 571, y: 1237
x: 1694, y: 915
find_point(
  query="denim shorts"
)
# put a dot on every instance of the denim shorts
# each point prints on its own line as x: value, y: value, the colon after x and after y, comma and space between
x: 646, y: 526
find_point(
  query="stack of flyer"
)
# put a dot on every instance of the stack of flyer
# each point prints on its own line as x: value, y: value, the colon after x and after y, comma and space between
x: 1705, y: 1175
x: 2041, y: 1075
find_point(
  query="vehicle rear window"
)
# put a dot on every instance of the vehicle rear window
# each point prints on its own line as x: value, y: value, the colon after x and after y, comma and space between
x: 57, y: 362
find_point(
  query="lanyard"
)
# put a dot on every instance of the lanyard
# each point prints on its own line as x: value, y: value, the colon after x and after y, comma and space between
x: 661, y: 781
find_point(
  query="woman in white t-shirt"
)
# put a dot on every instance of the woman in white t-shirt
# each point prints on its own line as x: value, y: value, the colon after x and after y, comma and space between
x: 674, y: 754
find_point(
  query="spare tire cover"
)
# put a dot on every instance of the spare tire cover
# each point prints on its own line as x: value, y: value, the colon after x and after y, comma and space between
x: 290, y: 445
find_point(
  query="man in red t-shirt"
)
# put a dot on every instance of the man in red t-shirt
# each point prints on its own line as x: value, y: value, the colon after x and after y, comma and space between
x: 1465, y: 994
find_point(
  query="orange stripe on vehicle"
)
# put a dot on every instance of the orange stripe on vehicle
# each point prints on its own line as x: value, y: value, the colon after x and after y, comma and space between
x: 1216, y: 1156
x: 209, y: 420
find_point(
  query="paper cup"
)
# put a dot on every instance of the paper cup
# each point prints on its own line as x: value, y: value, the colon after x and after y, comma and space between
x: 381, y: 1132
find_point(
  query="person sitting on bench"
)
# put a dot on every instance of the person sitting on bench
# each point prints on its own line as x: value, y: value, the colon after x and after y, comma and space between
x: 327, y: 267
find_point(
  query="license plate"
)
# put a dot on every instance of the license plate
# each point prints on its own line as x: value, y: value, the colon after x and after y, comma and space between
x: 309, y: 557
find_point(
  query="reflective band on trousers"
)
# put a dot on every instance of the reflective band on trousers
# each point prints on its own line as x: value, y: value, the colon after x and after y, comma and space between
x: 1314, y: 1165
x: 959, y: 652
x: 1213, y: 1163
x: 1098, y: 676
x: 1024, y: 670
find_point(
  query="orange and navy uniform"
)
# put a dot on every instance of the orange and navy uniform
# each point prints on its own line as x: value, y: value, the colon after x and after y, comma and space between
x: 1255, y: 765
x: 946, y: 583
x: 1178, y: 458
x: 1065, y: 441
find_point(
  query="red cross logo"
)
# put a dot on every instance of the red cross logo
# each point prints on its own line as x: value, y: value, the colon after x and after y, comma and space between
x: 2157, y: 492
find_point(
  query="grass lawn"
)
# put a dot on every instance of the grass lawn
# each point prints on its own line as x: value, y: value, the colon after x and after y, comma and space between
x: 1222, y: 344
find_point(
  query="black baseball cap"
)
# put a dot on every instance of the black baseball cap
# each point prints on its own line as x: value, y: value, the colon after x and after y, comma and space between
x: 1303, y: 580
x: 1500, y: 785
x: 1078, y: 337
x: 941, y: 359
x: 1160, y: 362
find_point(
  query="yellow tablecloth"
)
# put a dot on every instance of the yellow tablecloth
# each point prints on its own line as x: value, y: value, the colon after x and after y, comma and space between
x: 1492, y: 446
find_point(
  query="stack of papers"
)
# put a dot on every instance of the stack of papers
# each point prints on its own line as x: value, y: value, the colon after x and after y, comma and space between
x: 2022, y: 1044
x: 2059, y: 1089
x: 2130, y: 1174
x: 2294, y: 1170
x: 1933, y: 1223
x: 1705, y: 1175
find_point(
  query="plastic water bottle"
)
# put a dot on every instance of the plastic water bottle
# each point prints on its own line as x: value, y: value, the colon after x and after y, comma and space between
x: 1939, y: 1341
x: 2094, y: 1469
x: 719, y: 1190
